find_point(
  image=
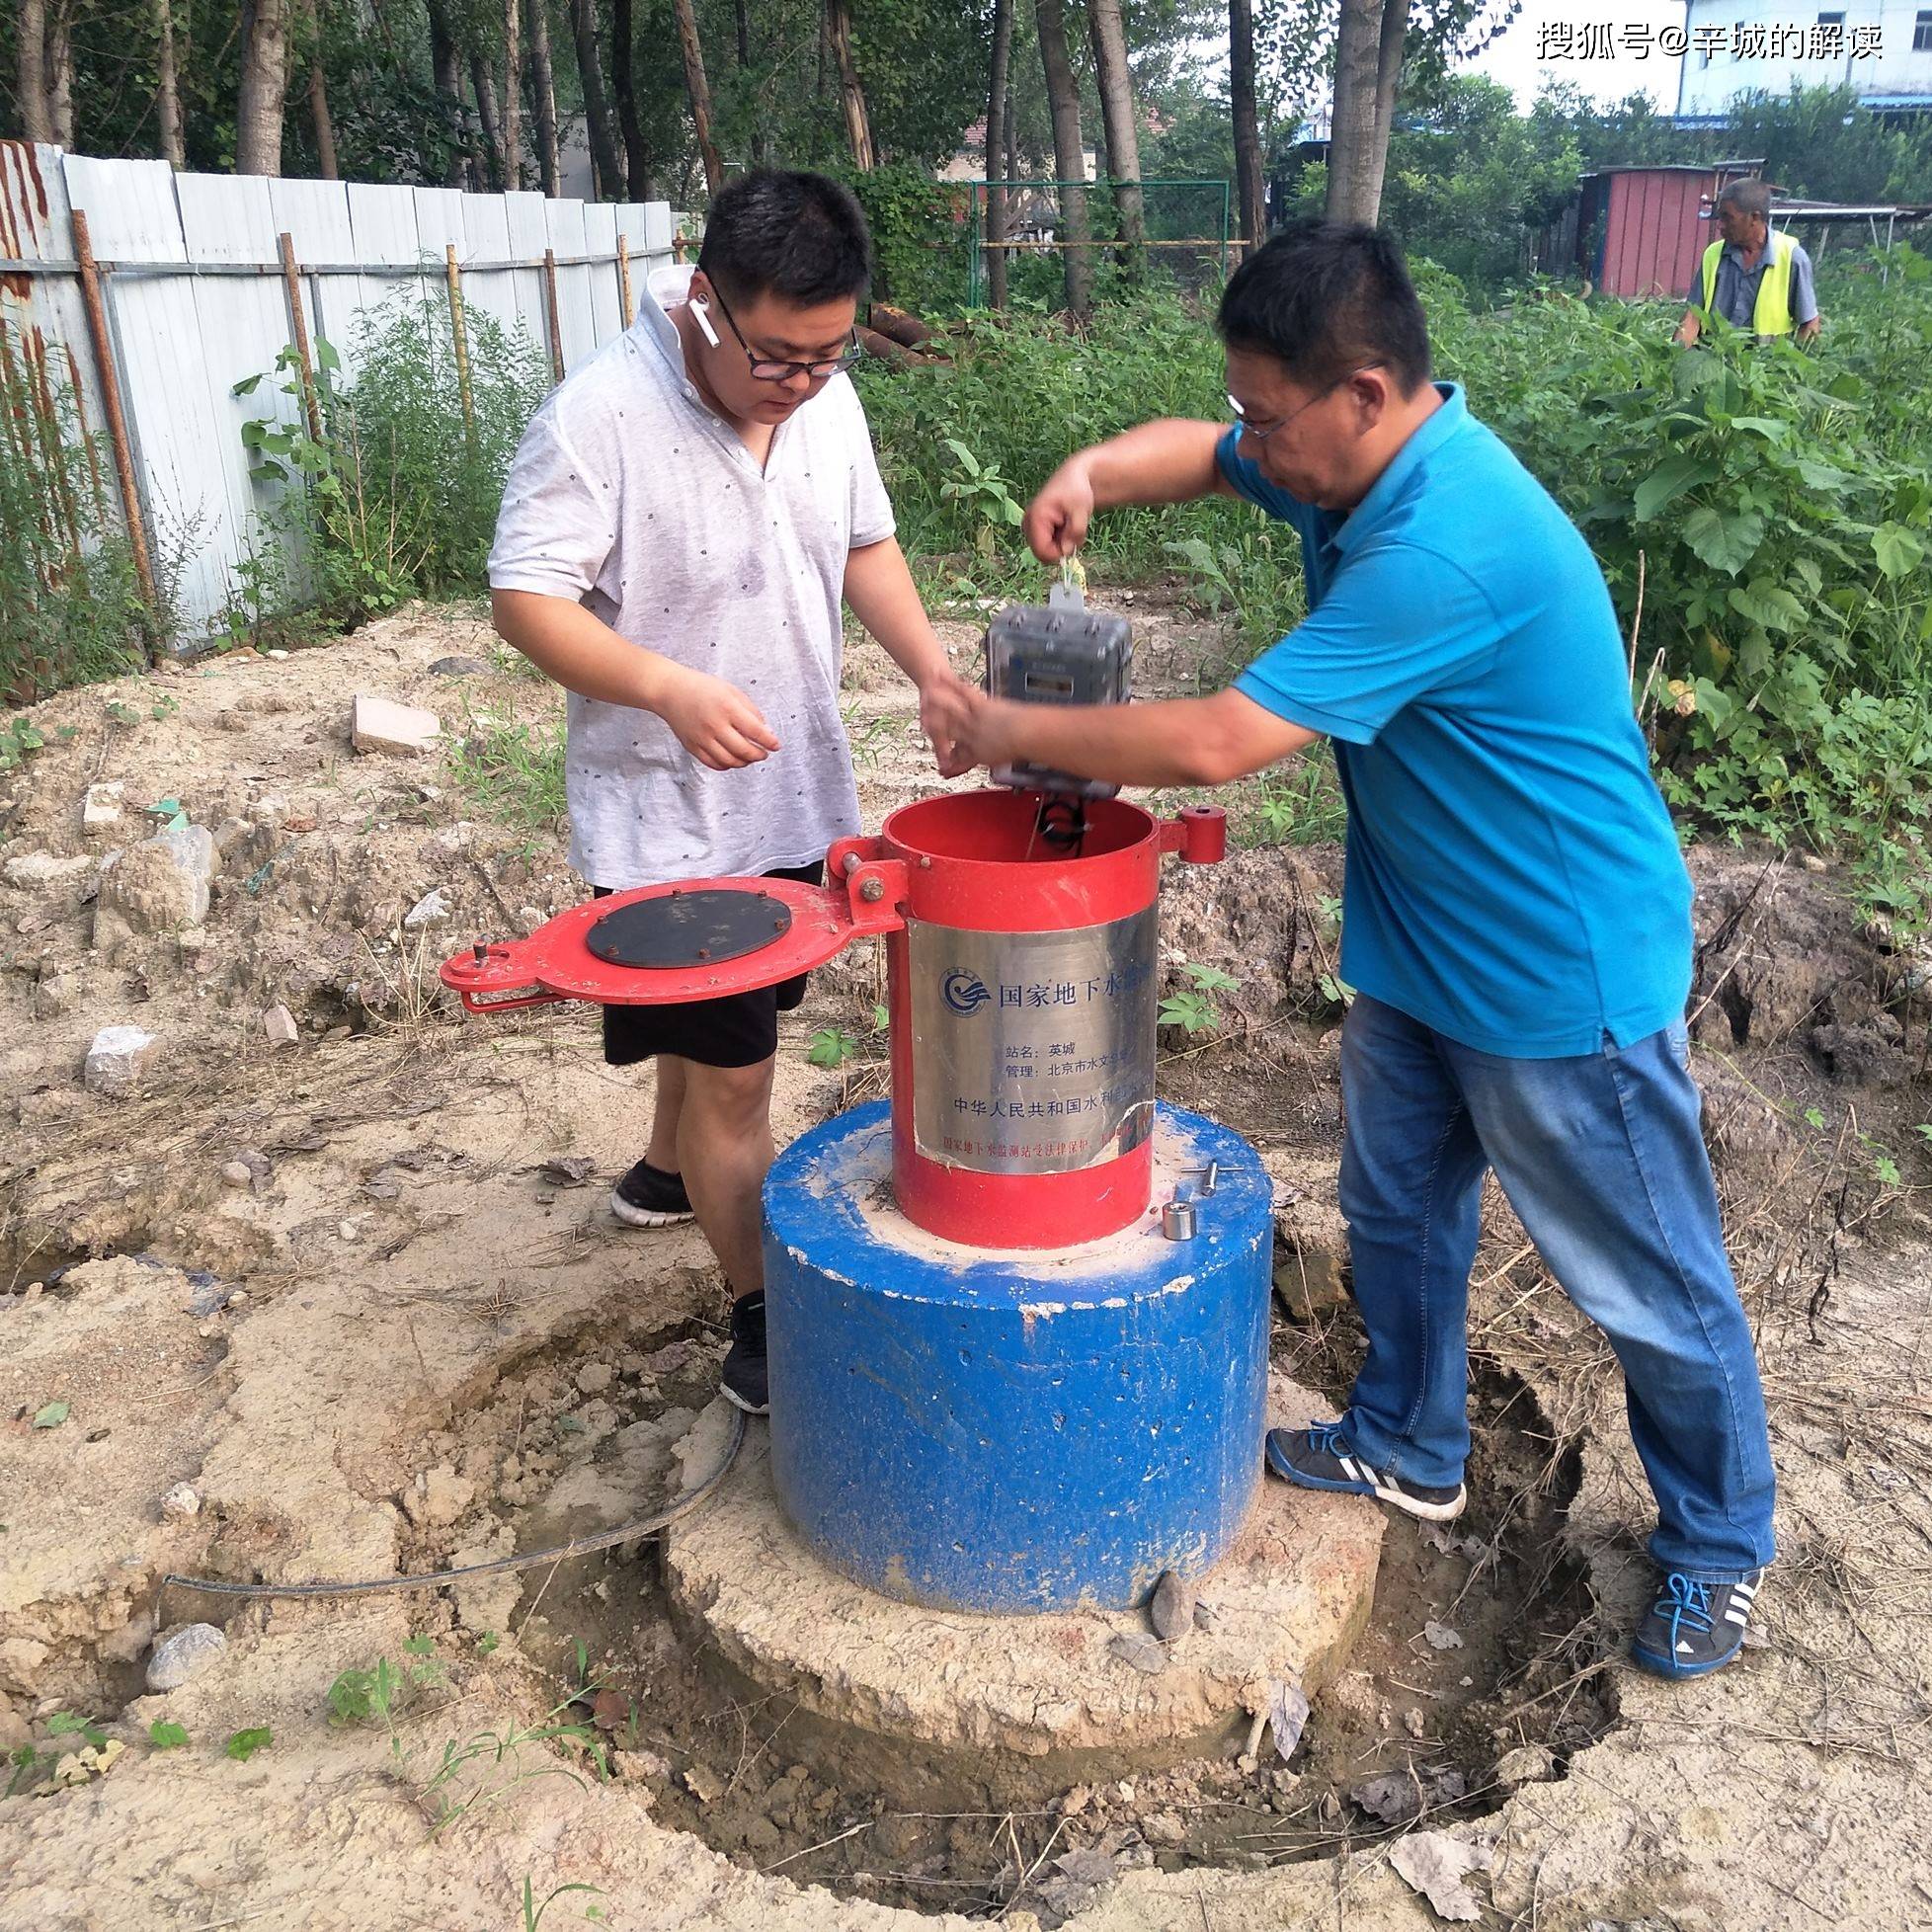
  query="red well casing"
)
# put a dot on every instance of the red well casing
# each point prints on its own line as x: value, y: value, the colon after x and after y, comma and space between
x: 1023, y: 981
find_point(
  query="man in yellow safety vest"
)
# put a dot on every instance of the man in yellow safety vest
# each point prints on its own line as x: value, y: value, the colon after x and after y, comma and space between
x: 1752, y: 278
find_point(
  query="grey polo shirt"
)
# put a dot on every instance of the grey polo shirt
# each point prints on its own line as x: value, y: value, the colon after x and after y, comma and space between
x: 1737, y: 292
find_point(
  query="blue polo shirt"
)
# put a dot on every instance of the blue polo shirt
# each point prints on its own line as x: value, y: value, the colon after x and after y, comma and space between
x: 1513, y: 879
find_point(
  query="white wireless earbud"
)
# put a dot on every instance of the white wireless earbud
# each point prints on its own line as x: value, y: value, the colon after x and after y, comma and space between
x: 701, y: 310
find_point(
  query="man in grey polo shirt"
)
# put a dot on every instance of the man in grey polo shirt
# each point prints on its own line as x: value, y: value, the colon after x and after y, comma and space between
x: 685, y: 518
x: 1752, y: 278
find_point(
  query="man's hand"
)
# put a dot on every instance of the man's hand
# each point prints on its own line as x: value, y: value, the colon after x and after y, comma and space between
x: 1688, y: 330
x: 967, y: 727
x: 943, y: 699
x: 714, y: 721
x: 1057, y: 518
x: 1809, y: 331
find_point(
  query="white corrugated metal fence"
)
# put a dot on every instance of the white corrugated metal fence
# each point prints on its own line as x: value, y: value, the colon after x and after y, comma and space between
x: 195, y: 298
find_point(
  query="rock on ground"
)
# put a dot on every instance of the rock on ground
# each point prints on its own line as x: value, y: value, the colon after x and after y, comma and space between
x: 160, y: 885
x: 118, y: 1056
x: 183, y: 1656
x: 381, y: 724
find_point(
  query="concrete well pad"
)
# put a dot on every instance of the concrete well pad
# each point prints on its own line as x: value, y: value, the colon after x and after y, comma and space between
x: 1027, y: 1700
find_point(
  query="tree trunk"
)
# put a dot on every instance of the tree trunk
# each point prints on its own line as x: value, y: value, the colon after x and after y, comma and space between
x: 513, y: 95
x: 741, y: 18
x: 543, y: 93
x: 60, y: 72
x: 167, y: 90
x: 319, y: 99
x: 597, y: 127
x: 699, y: 90
x: 852, y: 95
x: 1068, y: 158
x: 484, y: 82
x: 996, y: 147
x: 1388, y: 81
x: 446, y: 67
x: 1114, y: 80
x: 1352, y: 185
x: 623, y: 84
x: 31, y: 72
x: 1252, y: 212
x: 262, y: 94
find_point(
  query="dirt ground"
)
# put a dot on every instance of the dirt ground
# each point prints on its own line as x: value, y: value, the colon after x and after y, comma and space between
x: 353, y: 1305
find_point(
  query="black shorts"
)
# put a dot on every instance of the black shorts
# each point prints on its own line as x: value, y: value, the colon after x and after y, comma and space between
x: 738, y: 1029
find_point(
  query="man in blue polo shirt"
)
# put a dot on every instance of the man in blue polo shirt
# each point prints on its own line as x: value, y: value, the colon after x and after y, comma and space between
x: 1516, y: 913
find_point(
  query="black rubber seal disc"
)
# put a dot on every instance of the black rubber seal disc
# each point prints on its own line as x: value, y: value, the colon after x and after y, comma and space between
x: 689, y: 929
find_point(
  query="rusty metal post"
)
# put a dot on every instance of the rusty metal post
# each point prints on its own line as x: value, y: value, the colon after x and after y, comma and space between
x: 124, y: 460
x: 454, y: 275
x: 298, y: 334
x: 624, y: 279
x: 550, y: 315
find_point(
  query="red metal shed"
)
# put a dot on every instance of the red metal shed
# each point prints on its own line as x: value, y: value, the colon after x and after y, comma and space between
x: 1640, y: 230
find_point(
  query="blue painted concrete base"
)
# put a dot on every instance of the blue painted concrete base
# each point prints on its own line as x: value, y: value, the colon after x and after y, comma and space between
x: 1027, y: 1432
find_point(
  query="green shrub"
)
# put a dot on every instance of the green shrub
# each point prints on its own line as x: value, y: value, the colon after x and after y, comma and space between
x: 399, y: 494
x: 70, y: 604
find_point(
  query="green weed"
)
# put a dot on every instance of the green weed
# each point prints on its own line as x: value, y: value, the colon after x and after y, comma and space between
x: 1196, y: 1008
x: 513, y: 769
x: 71, y: 602
x: 831, y: 1047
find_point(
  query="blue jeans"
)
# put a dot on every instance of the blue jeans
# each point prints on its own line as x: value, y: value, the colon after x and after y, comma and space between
x: 1602, y: 1159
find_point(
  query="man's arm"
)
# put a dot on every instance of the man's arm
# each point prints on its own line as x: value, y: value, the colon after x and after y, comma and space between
x: 1804, y: 297
x: 884, y: 598
x: 714, y: 721
x: 1690, y: 328
x: 1170, y: 462
x: 1185, y: 741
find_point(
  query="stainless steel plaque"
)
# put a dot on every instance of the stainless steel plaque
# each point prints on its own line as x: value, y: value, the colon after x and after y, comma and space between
x: 1033, y: 1052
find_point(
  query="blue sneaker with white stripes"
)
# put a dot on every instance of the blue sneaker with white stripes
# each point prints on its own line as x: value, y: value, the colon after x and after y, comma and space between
x: 1694, y: 1628
x: 1320, y: 1458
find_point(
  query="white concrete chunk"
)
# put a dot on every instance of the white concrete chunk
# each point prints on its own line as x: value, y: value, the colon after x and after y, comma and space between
x: 381, y: 724
x: 118, y: 1057
x: 31, y: 870
x: 101, y: 808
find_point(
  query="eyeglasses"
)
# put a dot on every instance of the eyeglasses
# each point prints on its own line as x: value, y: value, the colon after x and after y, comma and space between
x: 763, y: 369
x: 1262, y: 434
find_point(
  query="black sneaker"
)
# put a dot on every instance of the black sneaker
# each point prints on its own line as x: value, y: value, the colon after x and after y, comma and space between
x: 743, y: 1378
x: 1320, y: 1458
x: 648, y: 1197
x: 1694, y: 1628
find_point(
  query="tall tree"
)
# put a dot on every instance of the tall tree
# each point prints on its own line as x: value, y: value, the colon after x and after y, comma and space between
x: 61, y: 71
x: 1351, y: 130
x: 447, y: 72
x: 1069, y: 153
x: 513, y: 95
x: 31, y: 72
x: 596, y: 113
x: 851, y: 93
x: 319, y: 99
x: 262, y: 94
x: 543, y: 97
x: 1115, y: 83
x: 699, y: 91
x: 623, y: 84
x: 998, y: 108
x: 167, y: 87
x: 484, y: 83
x: 1247, y: 120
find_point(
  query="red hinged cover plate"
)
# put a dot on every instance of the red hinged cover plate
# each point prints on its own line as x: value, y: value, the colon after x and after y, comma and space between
x: 555, y: 963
